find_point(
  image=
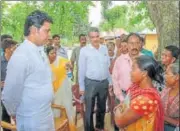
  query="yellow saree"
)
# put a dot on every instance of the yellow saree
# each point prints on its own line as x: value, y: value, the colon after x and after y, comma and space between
x: 62, y: 90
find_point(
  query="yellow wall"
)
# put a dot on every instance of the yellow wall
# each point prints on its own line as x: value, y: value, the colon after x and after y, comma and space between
x: 151, y: 42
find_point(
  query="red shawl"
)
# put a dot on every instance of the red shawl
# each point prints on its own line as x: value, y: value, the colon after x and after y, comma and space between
x: 135, y: 91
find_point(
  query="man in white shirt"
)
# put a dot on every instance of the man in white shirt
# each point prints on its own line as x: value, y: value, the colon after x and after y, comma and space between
x: 94, y: 79
x: 28, y: 90
x: 61, y: 51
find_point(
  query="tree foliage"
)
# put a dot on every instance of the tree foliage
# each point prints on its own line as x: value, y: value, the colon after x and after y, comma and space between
x: 13, y: 18
x: 105, y: 5
x: 132, y: 17
x: 70, y: 18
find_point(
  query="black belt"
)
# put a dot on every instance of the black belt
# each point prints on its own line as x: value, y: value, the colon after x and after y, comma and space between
x: 96, y: 80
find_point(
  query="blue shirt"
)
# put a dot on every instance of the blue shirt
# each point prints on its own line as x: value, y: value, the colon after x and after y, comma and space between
x: 93, y: 64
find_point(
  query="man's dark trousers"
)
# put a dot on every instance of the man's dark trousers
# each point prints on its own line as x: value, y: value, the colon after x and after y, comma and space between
x: 95, y: 89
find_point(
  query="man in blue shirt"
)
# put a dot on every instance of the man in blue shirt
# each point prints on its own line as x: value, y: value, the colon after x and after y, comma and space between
x: 94, y: 79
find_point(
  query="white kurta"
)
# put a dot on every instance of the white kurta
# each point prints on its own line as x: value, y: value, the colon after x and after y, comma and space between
x: 28, y: 90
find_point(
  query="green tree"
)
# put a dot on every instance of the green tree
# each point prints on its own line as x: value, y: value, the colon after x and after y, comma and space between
x: 139, y: 16
x: 133, y: 17
x: 13, y: 18
x: 116, y: 16
x: 165, y: 16
x: 105, y: 5
x: 66, y: 16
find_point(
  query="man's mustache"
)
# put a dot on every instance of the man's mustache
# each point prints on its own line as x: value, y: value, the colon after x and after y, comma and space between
x: 134, y: 49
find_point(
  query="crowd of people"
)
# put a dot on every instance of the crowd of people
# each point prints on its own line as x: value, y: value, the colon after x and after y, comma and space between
x: 120, y: 77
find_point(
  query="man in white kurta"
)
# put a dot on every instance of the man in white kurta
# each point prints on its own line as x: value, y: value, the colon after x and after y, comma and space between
x: 28, y: 91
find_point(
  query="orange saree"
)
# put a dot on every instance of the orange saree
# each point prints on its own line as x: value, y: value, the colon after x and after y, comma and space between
x: 146, y: 103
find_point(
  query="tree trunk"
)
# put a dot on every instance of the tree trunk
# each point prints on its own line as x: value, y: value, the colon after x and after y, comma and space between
x: 165, y: 16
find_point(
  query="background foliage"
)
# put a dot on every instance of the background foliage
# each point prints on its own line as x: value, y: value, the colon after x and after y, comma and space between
x: 70, y: 18
x: 133, y: 17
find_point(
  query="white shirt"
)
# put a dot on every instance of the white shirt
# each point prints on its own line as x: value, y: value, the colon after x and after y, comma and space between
x: 28, y: 90
x: 62, y: 52
x: 93, y: 64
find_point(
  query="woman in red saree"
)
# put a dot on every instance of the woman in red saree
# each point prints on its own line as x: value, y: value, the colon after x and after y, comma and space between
x: 142, y: 109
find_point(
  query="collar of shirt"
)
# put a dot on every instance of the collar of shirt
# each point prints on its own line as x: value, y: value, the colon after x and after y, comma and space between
x: 39, y: 49
x: 31, y: 44
x: 91, y: 46
x: 127, y: 58
x: 34, y: 46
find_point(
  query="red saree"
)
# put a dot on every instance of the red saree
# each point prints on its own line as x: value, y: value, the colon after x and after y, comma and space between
x: 150, y: 102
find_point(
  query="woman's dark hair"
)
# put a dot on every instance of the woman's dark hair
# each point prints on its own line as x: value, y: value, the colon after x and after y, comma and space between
x: 37, y: 19
x: 153, y: 68
x: 49, y: 48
